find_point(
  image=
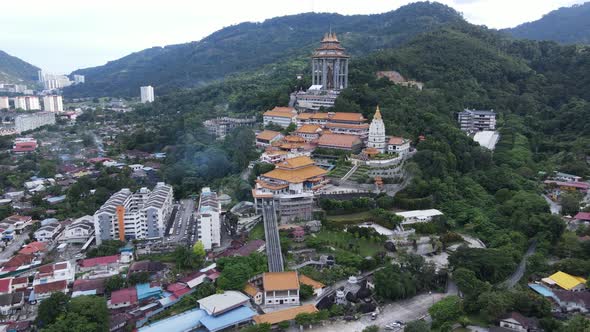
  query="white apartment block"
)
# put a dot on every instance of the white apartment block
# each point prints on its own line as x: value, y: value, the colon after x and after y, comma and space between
x: 26, y: 122
x: 147, y: 94
x: 140, y: 215
x: 474, y: 120
x: 53, y: 103
x: 52, y: 81
x: 4, y: 104
x: 79, y: 79
x: 27, y: 103
x: 208, y: 219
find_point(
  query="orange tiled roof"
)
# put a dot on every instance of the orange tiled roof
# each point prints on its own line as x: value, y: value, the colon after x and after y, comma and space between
x: 347, y: 125
x: 304, y: 116
x: 394, y: 140
x: 284, y: 315
x: 303, y: 279
x: 320, y: 116
x: 338, y: 140
x: 297, y: 175
x: 294, y: 139
x: 308, y: 129
x: 276, y: 281
x: 251, y: 290
x: 342, y: 116
x: 286, y: 112
x: 296, y: 162
x: 267, y: 135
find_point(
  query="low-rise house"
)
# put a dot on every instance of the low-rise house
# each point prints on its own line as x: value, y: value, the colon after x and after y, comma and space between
x: 559, y: 176
x: 280, y: 288
x: 43, y: 291
x: 318, y: 287
x: 146, y: 266
x: 582, y: 216
x: 254, y: 293
x: 18, y: 262
x: 6, y: 285
x: 19, y: 284
x: 19, y: 223
x: 309, y: 132
x: 517, y: 322
x: 48, y: 232
x: 53, y: 200
x: 34, y: 248
x: 55, y: 272
x: 281, y: 116
x: 10, y: 303
x: 104, y: 263
x: 88, y: 287
x: 566, y: 281
x: 573, y: 301
x: 79, y: 231
x: 122, y: 298
x: 568, y: 186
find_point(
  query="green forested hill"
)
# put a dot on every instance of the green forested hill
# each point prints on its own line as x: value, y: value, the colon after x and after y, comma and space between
x: 15, y: 70
x: 248, y: 46
x: 564, y: 25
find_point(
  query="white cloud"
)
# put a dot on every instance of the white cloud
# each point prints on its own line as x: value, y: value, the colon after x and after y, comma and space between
x: 62, y: 35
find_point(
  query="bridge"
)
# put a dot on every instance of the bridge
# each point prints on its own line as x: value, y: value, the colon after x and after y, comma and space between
x: 271, y: 233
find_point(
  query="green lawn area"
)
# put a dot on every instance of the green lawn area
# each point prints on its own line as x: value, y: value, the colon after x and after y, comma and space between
x: 352, y: 218
x: 257, y: 233
x: 340, y: 171
x: 367, y: 247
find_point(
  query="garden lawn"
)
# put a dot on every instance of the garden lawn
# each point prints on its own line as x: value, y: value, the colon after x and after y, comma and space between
x: 351, y: 218
x: 340, y: 240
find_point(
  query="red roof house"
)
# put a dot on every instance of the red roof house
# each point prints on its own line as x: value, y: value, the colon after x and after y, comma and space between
x: 33, y: 248
x: 43, y: 291
x: 123, y: 298
x: 585, y: 216
x: 5, y: 285
x: 98, y: 261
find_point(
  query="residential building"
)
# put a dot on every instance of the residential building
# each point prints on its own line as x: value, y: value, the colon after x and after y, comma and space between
x: 218, y: 304
x: 53, y: 103
x: 222, y: 126
x: 122, y: 298
x: 48, y: 232
x: 314, y: 99
x: 377, y: 138
x: 79, y: 231
x: 55, y: 272
x: 560, y: 176
x: 34, y: 248
x: 566, y: 281
x: 398, y: 145
x: 340, y: 142
x: 88, y: 287
x: 267, y: 137
x: 147, y: 94
x: 255, y: 293
x: 43, y: 291
x: 514, y: 321
x: 79, y: 79
x: 53, y: 81
x: 281, y: 116
x: 27, y: 103
x: 208, y: 219
x: 418, y: 216
x: 474, y: 120
x: 140, y: 215
x: 10, y: 303
x: 26, y: 122
x: 4, y: 103
x: 19, y: 223
x: 280, y: 288
x: 291, y: 184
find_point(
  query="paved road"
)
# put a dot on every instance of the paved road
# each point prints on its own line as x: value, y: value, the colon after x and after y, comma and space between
x: 14, y: 246
x: 554, y: 207
x: 405, y: 310
x: 181, y: 222
x: 273, y: 242
x: 515, y: 277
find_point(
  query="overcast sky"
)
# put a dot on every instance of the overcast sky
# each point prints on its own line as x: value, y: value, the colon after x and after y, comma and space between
x: 62, y: 35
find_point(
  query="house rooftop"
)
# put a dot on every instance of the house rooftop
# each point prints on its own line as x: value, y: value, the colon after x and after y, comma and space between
x: 303, y: 279
x: 219, y: 303
x: 267, y: 135
x: 338, y: 140
x: 276, y: 281
x: 51, y: 287
x: 564, y: 280
x: 284, y: 315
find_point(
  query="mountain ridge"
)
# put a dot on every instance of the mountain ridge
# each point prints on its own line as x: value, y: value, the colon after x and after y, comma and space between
x: 565, y: 25
x: 248, y: 46
x: 15, y: 70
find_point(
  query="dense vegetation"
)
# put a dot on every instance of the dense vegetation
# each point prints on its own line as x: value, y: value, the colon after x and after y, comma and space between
x: 249, y: 46
x: 83, y: 314
x: 564, y: 25
x: 15, y: 70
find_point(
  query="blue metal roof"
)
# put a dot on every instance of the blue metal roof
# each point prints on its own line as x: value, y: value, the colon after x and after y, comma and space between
x: 230, y: 318
x: 144, y: 291
x: 182, y: 322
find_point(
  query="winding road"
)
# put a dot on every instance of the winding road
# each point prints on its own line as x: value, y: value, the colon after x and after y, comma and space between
x: 517, y: 275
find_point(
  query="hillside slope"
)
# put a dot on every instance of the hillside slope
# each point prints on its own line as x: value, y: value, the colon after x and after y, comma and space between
x: 564, y: 25
x: 15, y: 70
x: 247, y: 46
